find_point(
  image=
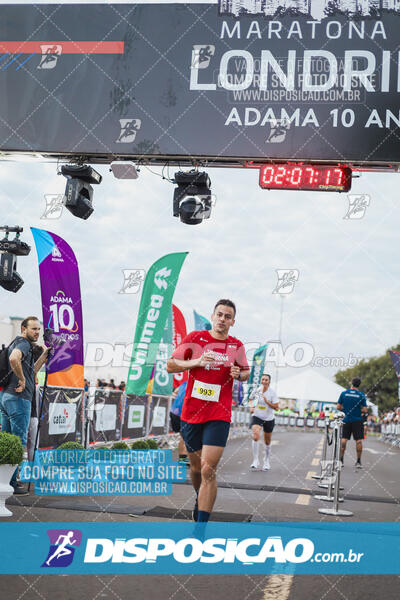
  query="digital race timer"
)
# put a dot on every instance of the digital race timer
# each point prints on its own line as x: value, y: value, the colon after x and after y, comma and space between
x: 319, y: 178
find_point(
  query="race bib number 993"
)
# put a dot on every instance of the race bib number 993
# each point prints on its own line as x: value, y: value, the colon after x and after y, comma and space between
x: 206, y: 391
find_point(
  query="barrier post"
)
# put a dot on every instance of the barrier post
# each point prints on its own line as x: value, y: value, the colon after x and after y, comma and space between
x: 323, y: 464
x: 335, y: 511
x: 334, y: 465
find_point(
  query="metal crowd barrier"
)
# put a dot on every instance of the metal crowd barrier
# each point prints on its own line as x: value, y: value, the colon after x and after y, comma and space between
x: 99, y: 416
x: 301, y: 422
x: 390, y: 433
x: 62, y: 417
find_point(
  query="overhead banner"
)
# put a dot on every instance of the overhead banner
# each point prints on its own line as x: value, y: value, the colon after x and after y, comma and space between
x: 255, y: 79
x: 200, y: 322
x: 155, y: 306
x: 162, y: 379
x: 257, y: 369
x: 62, y: 308
x: 178, y: 334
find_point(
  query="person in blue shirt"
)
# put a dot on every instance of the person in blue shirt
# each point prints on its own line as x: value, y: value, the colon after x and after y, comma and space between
x: 175, y: 418
x: 354, y: 404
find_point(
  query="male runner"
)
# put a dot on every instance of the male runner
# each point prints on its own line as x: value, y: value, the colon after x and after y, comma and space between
x: 263, y: 417
x: 214, y: 359
x: 354, y: 404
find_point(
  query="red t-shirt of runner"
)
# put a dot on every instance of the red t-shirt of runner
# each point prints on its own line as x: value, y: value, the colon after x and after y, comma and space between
x: 209, y: 391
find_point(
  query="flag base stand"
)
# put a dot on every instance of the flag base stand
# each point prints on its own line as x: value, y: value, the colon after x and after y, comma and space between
x: 335, y: 513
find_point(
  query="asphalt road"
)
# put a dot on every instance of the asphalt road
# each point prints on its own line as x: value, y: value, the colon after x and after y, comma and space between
x: 285, y: 493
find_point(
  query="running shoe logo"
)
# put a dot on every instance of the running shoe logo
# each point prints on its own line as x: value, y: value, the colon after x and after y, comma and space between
x: 63, y: 543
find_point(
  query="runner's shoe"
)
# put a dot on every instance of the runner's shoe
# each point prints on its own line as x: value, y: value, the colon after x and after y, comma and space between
x: 358, y: 464
x: 266, y: 465
x: 19, y: 490
x: 254, y: 466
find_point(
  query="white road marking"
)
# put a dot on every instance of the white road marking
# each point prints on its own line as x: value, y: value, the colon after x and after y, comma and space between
x: 303, y: 499
x: 379, y: 452
x: 278, y: 587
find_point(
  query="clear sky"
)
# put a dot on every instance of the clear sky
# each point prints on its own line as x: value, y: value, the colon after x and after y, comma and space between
x: 345, y: 301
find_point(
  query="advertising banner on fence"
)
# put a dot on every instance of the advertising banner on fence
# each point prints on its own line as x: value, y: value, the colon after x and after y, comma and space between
x: 257, y: 369
x: 178, y: 333
x: 155, y: 306
x: 106, y: 416
x: 134, y: 424
x: 62, y: 308
x: 300, y: 80
x: 61, y: 417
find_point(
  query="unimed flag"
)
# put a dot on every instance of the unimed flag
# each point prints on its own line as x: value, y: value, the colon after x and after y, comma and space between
x: 62, y: 308
x: 162, y: 383
x: 257, y: 369
x: 155, y: 306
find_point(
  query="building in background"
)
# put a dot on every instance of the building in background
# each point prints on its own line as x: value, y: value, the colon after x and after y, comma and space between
x: 10, y: 327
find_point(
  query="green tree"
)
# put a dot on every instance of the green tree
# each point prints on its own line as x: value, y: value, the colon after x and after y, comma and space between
x: 379, y: 380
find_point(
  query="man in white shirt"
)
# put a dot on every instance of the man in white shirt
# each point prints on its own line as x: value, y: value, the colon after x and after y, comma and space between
x: 265, y: 403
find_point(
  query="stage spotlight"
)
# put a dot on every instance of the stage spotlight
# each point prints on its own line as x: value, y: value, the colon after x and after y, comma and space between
x: 192, y: 197
x: 78, y: 191
x: 15, y: 246
x: 9, y: 278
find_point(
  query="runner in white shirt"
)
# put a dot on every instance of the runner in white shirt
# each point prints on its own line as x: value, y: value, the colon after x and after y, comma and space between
x: 265, y: 403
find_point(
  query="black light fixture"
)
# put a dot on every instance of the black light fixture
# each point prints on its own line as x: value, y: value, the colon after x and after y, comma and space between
x: 10, y: 280
x: 78, y: 191
x: 192, y: 197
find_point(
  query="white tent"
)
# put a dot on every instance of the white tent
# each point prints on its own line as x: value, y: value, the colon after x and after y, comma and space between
x: 309, y: 386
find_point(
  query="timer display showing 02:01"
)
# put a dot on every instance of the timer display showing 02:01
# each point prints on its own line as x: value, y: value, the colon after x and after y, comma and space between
x: 318, y: 178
